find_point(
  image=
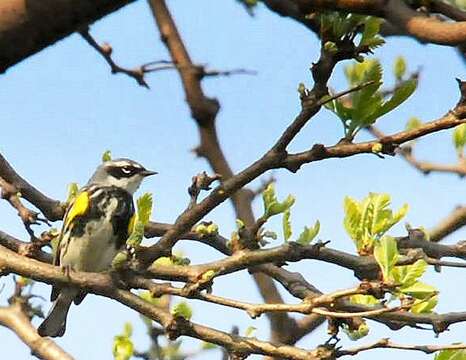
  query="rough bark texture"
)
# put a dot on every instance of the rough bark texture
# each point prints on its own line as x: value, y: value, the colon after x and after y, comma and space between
x: 28, y: 26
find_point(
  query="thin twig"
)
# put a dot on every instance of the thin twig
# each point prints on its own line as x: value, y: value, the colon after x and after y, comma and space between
x: 387, y: 344
x: 106, y: 51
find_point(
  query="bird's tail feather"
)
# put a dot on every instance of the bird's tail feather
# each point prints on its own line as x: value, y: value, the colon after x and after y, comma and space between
x: 55, y: 323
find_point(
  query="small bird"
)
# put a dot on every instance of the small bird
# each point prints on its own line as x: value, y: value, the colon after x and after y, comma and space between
x: 95, y: 227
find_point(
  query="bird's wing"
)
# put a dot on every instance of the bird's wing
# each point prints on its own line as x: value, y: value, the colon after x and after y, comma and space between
x: 78, y: 207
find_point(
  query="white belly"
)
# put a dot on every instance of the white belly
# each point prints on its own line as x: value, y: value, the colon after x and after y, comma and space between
x: 94, y: 250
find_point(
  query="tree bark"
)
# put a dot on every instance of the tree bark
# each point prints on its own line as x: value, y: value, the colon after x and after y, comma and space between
x: 28, y: 26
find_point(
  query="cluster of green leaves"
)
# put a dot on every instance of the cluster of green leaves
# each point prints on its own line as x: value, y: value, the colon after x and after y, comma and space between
x: 368, y: 220
x: 451, y: 355
x: 459, y: 139
x: 406, y: 277
x: 123, y: 347
x: 177, y: 258
x: 206, y: 229
x: 182, y: 309
x: 357, y: 334
x: 274, y: 207
x: 73, y: 189
x: 362, y: 108
x: 107, y: 156
x: 142, y: 216
x: 336, y: 27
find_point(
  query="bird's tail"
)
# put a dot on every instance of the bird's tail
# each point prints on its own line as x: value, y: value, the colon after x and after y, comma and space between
x: 55, y: 323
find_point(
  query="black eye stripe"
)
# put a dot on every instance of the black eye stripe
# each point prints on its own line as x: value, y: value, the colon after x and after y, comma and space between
x: 122, y: 172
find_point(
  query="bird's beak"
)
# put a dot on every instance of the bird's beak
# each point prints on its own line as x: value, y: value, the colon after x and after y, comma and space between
x: 148, y: 173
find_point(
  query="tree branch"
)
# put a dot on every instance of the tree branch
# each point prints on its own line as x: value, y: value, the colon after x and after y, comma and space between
x: 27, y: 27
x: 14, y: 318
x: 423, y: 28
x: 456, y: 220
x: 204, y: 111
x: 102, y: 284
x: 52, y: 209
x: 387, y: 344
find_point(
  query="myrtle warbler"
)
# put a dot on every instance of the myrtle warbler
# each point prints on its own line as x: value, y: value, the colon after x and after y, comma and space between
x: 95, y: 227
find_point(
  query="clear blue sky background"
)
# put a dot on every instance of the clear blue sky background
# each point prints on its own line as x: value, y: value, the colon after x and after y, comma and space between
x: 62, y: 108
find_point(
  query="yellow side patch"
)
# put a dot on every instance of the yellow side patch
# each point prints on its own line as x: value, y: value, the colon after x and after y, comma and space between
x: 78, y: 208
x: 131, y: 224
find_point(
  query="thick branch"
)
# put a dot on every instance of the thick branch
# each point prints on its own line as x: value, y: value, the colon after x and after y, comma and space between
x: 14, y: 318
x: 426, y: 29
x: 456, y: 220
x: 27, y: 27
x: 102, y: 284
x: 204, y: 111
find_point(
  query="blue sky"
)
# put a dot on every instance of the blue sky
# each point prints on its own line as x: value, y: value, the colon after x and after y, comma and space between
x: 62, y: 108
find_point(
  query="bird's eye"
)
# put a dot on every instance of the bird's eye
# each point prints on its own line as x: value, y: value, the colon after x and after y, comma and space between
x: 126, y: 170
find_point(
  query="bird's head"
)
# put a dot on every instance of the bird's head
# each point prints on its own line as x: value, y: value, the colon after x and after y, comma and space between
x: 123, y: 173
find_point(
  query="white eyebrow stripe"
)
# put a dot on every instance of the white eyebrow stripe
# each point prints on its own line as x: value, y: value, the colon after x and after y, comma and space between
x: 122, y: 163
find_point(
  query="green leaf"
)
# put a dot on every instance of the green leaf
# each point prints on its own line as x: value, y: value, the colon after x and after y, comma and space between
x: 250, y: 331
x: 73, y: 190
x: 354, y: 335
x: 268, y: 196
x: 371, y: 29
x: 451, y: 355
x: 386, y: 254
x: 107, y: 156
x: 240, y: 224
x: 147, y: 296
x: 208, y: 275
x: 182, y: 309
x: 399, y: 68
x: 119, y: 260
x: 377, y: 148
x: 278, y: 208
x: 144, y: 205
x: 381, y: 213
x: 271, y: 204
x: 309, y: 234
x: 419, y: 290
x: 424, y: 306
x: 212, y: 229
x: 375, y: 42
x: 331, y: 47
x: 352, y: 217
x: 400, y: 214
x: 123, y: 348
x: 413, y: 123
x: 287, y: 232
x: 413, y: 273
x: 401, y: 94
x: 364, y: 299
x: 369, y: 219
x: 459, y: 137
x: 144, y: 211
x: 163, y: 261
